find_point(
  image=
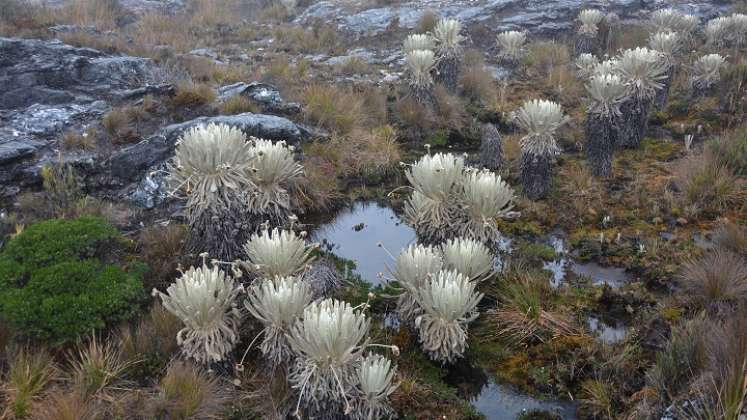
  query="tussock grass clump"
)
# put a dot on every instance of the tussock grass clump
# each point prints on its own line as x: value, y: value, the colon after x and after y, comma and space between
x: 526, y: 311
x: 682, y: 359
x: 192, y: 95
x: 96, y: 367
x: 161, y: 249
x: 732, y: 237
x: 715, y: 282
x: 29, y: 373
x: 188, y: 392
x: 238, y: 105
x: 708, y: 185
x: 64, y: 404
x: 336, y: 109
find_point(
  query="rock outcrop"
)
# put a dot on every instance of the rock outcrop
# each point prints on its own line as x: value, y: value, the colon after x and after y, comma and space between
x: 48, y: 87
x: 547, y: 17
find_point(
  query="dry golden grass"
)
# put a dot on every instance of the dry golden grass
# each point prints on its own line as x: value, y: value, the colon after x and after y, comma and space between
x: 102, y: 14
x: 154, y: 334
x: 427, y: 22
x: 192, y: 95
x: 160, y: 29
x: 238, y: 105
x: 318, y: 39
x: 708, y: 186
x: 64, y: 404
x: 476, y: 81
x: 732, y: 237
x: 281, y: 71
x: 544, y: 56
x: 338, y: 109
x: 187, y: 391
x: 714, y: 282
x: 29, y: 373
x: 85, y: 141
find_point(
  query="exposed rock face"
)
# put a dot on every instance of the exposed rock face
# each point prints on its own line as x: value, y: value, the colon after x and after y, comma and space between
x: 51, y: 73
x: 47, y: 87
x: 548, y: 17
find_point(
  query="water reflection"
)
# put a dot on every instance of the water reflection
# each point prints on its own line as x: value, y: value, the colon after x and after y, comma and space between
x: 355, y: 232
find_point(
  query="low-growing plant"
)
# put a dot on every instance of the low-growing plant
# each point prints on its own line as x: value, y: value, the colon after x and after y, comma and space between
x: 238, y: 104
x: 191, y: 95
x: 526, y: 312
x: 708, y: 186
x: 56, y: 281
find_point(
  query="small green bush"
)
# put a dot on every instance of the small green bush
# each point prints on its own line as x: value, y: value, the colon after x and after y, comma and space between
x: 59, y: 279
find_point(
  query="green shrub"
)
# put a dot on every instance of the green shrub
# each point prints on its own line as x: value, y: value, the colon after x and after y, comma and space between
x: 58, y: 280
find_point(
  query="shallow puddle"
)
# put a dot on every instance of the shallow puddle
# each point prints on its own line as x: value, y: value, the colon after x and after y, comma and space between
x: 607, y: 332
x: 500, y: 402
x: 612, y: 276
x: 496, y: 401
x: 354, y: 233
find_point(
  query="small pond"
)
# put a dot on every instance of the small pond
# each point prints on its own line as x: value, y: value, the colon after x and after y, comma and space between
x: 564, y: 264
x: 496, y: 401
x: 500, y: 402
x: 354, y: 234
x: 606, y: 331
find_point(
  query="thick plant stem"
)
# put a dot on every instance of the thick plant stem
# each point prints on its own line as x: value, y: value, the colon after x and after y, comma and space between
x: 536, y: 175
x: 586, y: 44
x: 663, y: 95
x: 601, y: 136
x: 634, y: 123
x: 491, y: 147
x: 447, y: 72
x: 424, y: 95
x: 220, y: 232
